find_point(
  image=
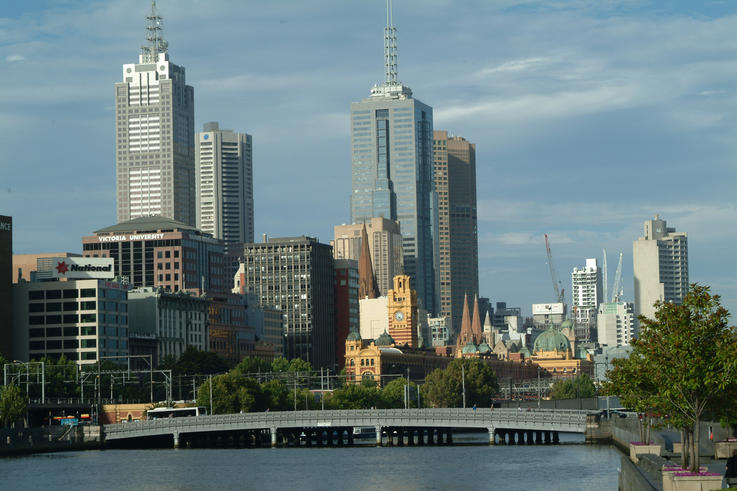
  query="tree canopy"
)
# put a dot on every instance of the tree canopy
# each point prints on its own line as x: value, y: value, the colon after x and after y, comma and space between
x: 444, y: 387
x: 573, y: 388
x: 13, y: 403
x: 683, y: 365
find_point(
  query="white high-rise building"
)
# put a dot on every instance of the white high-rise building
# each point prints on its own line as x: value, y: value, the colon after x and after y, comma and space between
x: 615, y: 324
x: 586, y: 296
x: 224, y: 177
x: 154, y: 141
x: 660, y: 263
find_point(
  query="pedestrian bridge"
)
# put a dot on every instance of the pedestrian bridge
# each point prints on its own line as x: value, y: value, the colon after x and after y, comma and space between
x: 421, y: 425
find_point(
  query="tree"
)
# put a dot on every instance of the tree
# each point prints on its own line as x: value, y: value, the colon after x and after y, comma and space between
x: 276, y: 395
x: 688, y: 352
x: 280, y: 365
x: 392, y: 395
x: 254, y: 365
x: 444, y: 387
x: 354, y: 396
x: 577, y: 387
x: 13, y: 404
x: 194, y: 361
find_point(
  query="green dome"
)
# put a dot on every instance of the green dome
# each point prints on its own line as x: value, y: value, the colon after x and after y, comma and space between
x: 551, y: 340
x: 384, y: 340
x: 484, y: 348
x: 470, y: 348
x: 566, y: 324
x: 353, y: 336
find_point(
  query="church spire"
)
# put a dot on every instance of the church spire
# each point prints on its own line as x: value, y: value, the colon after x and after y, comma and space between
x: 366, y: 281
x: 476, y: 322
x: 154, y: 35
x: 466, y: 334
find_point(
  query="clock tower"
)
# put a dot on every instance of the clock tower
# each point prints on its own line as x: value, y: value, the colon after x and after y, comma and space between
x: 403, y: 312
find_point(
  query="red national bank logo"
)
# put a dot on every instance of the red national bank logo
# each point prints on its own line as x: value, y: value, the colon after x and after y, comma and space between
x: 62, y: 267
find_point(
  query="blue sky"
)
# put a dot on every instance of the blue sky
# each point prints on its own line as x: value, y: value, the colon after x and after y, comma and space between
x: 588, y: 116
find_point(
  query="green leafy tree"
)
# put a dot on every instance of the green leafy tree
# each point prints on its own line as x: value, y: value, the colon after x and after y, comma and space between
x: 354, y: 396
x: 305, y: 400
x: 193, y: 361
x: 13, y: 403
x: 276, y: 395
x: 392, y: 395
x: 254, y: 365
x: 444, y: 387
x: 225, y: 393
x: 279, y: 365
x: 299, y: 365
x: 573, y: 388
x: 688, y: 351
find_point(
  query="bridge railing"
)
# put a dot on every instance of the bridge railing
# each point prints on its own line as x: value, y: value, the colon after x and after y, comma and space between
x: 481, y: 418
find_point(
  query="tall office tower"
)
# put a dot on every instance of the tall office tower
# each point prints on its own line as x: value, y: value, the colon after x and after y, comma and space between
x: 660, y: 263
x: 154, y: 126
x: 385, y: 247
x: 455, y: 182
x: 392, y: 174
x: 346, y: 305
x: 224, y: 183
x: 587, y: 295
x: 296, y: 275
x: 6, y: 281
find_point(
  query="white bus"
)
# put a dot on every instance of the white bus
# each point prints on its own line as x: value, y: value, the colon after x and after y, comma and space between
x: 175, y: 412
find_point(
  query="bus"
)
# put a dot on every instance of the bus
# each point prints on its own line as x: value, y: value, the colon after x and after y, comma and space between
x: 175, y: 412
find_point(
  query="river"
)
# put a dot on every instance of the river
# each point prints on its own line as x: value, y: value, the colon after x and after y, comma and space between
x: 568, y: 466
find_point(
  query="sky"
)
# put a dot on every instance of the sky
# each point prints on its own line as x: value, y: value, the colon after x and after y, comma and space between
x: 589, y: 117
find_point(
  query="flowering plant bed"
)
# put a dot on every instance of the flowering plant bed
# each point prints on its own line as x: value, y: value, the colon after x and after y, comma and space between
x: 642, y: 448
x: 694, y: 481
x: 669, y: 472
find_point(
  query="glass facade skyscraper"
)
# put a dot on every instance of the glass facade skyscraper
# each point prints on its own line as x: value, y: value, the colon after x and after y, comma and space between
x: 392, y: 171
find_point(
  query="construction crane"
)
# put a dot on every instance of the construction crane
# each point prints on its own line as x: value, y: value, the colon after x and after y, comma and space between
x: 557, y: 287
x: 617, y: 291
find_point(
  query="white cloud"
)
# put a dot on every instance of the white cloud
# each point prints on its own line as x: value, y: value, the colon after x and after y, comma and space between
x: 14, y: 58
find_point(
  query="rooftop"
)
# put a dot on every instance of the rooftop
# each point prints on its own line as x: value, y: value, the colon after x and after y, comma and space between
x: 146, y: 224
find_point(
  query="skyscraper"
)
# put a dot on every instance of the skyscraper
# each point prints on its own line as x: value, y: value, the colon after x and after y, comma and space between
x: 6, y: 281
x: 224, y: 183
x: 660, y: 263
x: 154, y: 126
x: 455, y: 182
x: 587, y: 295
x: 391, y: 141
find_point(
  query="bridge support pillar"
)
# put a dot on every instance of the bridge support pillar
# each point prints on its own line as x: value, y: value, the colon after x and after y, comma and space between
x: 530, y: 437
x: 176, y: 439
x: 273, y: 437
x: 378, y: 436
x: 449, y: 439
x: 491, y: 435
x: 555, y: 437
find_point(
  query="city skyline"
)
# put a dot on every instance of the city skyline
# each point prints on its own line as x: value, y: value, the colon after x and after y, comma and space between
x: 587, y: 120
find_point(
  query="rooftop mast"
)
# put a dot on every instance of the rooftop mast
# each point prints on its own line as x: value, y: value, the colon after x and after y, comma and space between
x: 390, y: 47
x: 154, y: 35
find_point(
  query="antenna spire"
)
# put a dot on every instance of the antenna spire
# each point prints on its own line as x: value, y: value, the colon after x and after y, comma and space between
x: 390, y: 47
x: 154, y: 35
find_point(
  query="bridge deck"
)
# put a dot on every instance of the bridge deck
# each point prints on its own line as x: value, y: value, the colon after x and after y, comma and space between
x: 572, y: 421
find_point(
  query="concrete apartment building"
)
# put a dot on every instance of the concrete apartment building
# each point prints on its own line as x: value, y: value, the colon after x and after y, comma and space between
x: 161, y: 252
x: 385, y: 246
x: 615, y: 323
x: 224, y: 183
x: 296, y: 276
x: 80, y: 319
x: 392, y: 170
x: 587, y: 293
x: 660, y: 264
x: 154, y: 135
x: 455, y: 183
x: 6, y: 280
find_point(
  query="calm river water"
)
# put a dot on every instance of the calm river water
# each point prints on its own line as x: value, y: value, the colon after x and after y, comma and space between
x: 550, y: 467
